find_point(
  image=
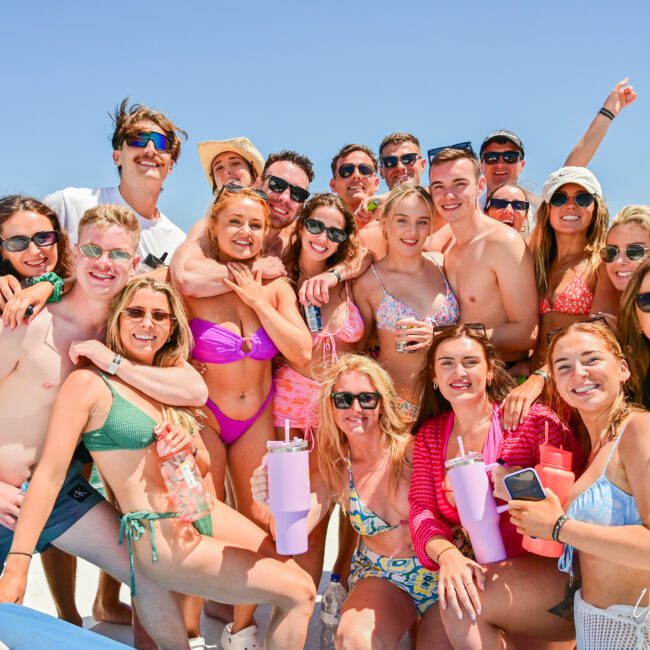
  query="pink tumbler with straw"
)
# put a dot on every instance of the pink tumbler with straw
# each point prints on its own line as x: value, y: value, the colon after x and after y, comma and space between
x: 289, y: 493
x: 476, y: 506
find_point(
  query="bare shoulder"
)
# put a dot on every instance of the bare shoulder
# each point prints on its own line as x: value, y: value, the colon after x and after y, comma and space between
x: 439, y: 240
x: 505, y: 241
x: 85, y: 380
x: 636, y: 440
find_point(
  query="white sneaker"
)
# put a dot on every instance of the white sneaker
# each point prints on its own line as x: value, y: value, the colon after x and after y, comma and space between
x: 197, y: 643
x: 245, y: 639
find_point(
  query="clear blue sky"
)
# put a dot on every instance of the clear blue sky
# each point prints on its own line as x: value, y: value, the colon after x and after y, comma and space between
x: 313, y: 76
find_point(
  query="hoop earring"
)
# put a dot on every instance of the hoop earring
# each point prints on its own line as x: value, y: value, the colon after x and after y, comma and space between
x: 169, y: 338
x: 435, y: 385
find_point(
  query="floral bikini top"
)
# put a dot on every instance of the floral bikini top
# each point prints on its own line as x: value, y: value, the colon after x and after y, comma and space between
x: 576, y: 299
x: 391, y: 309
x: 350, y: 330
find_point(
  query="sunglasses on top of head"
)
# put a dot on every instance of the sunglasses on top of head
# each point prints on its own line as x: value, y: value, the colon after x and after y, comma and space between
x: 345, y: 400
x: 20, y: 243
x: 599, y: 319
x: 508, y: 157
x: 316, y: 227
x: 642, y: 301
x: 582, y: 199
x: 460, y: 146
x: 235, y: 188
x: 407, y: 159
x: 138, y: 314
x: 346, y: 170
x: 633, y: 252
x: 502, y: 204
x: 279, y: 185
x: 160, y: 142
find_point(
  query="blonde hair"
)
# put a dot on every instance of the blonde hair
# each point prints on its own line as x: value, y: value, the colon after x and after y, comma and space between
x: 397, y: 195
x: 637, y: 214
x: 110, y: 214
x: 176, y: 349
x: 635, y: 344
x: 224, y: 195
x: 333, y: 447
x: 543, y: 243
x: 621, y: 407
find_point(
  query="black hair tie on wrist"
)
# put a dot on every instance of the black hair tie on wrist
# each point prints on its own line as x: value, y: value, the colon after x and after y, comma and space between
x: 607, y: 113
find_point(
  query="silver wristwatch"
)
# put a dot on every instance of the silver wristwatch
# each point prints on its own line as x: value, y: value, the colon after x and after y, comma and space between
x: 115, y: 364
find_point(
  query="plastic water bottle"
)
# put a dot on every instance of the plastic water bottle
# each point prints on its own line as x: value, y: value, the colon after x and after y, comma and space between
x: 330, y: 611
x: 183, y: 480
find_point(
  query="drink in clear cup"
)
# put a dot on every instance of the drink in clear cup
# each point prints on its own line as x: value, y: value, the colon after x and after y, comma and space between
x: 289, y: 493
x: 476, y: 506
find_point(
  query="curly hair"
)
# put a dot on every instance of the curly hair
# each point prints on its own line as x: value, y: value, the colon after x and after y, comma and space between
x: 543, y: 243
x: 621, y: 407
x: 344, y: 253
x: 13, y: 203
x: 293, y: 157
x: 433, y: 402
x: 333, y: 447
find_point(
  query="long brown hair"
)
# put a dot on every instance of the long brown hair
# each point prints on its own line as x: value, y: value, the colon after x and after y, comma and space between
x: 333, y: 448
x: 543, y: 243
x: 634, y: 343
x: 345, y: 252
x: 433, y: 402
x: 621, y: 407
x: 13, y: 203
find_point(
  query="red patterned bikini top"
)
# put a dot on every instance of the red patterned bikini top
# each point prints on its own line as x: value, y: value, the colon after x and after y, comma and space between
x: 576, y: 299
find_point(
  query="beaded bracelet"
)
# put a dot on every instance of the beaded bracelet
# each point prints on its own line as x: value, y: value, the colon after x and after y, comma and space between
x: 55, y: 281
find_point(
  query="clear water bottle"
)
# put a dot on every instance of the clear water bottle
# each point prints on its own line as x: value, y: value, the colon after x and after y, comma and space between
x: 330, y: 611
x: 183, y: 480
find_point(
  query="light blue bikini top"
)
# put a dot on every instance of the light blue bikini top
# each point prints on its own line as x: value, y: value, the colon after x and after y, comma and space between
x: 364, y: 520
x: 602, y: 503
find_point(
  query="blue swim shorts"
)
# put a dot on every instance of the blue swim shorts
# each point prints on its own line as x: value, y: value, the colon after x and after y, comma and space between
x: 75, y: 499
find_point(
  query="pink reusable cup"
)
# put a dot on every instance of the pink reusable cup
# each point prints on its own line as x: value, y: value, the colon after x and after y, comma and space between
x: 476, y: 506
x: 289, y: 494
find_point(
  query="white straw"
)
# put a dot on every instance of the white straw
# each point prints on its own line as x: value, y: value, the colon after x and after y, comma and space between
x: 287, y: 430
x: 460, y: 446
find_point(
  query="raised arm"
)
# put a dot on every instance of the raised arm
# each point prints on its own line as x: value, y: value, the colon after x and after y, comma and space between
x: 193, y: 272
x: 74, y: 403
x: 516, y: 278
x: 182, y: 386
x: 621, y: 96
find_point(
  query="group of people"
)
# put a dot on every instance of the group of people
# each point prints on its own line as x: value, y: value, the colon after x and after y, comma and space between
x: 394, y: 331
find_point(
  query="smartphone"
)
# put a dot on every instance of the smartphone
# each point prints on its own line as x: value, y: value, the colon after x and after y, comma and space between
x: 524, y: 484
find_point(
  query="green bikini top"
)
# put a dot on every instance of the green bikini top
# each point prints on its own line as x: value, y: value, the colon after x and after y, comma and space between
x: 126, y: 426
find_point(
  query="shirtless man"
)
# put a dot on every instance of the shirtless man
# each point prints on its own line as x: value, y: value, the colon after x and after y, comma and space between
x: 34, y: 361
x: 400, y: 159
x: 488, y: 264
x: 285, y: 180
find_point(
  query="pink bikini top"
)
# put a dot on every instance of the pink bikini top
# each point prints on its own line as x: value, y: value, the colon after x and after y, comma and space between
x: 214, y: 343
x: 576, y: 299
x: 350, y: 331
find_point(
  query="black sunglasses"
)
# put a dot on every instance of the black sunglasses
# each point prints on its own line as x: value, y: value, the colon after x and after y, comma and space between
x: 407, y: 159
x: 477, y: 328
x: 367, y: 400
x: 279, y: 185
x: 345, y: 171
x: 595, y: 318
x: 508, y: 157
x: 138, y: 314
x: 633, y: 252
x: 582, y: 199
x: 316, y: 227
x: 461, y: 146
x: 160, y: 142
x: 502, y: 204
x: 642, y: 301
x: 19, y: 243
x: 236, y: 187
